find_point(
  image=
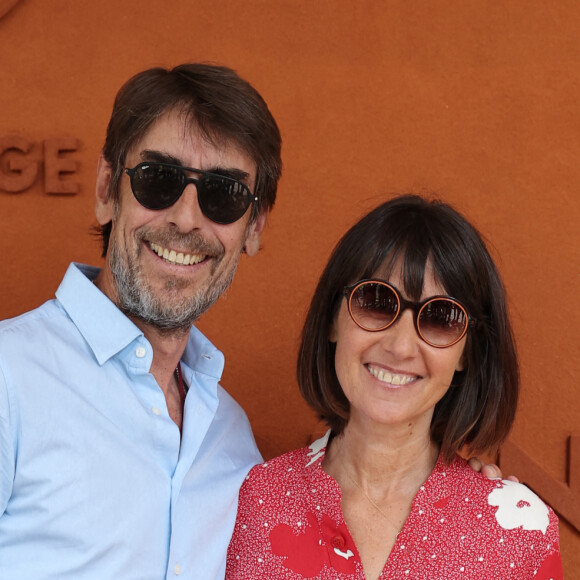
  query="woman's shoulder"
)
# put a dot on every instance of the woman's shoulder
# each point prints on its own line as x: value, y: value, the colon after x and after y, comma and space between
x: 294, y: 465
x: 495, y: 522
x: 513, y: 504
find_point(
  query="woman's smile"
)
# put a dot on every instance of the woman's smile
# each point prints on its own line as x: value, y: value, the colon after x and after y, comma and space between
x: 393, y: 379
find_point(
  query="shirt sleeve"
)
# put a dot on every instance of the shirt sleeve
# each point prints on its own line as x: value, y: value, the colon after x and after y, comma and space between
x: 7, y: 457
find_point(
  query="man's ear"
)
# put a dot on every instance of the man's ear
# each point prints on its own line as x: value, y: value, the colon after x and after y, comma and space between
x: 255, y: 230
x: 104, y: 204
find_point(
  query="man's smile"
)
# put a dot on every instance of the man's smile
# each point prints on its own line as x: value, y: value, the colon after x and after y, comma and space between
x: 177, y: 257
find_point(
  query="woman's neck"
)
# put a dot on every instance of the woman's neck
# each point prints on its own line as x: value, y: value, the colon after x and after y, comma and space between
x: 380, y: 458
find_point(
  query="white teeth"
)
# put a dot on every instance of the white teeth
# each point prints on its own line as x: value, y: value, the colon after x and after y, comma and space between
x: 157, y: 249
x: 174, y: 257
x: 391, y: 378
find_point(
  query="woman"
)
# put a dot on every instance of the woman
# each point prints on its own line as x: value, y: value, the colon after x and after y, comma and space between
x: 407, y: 354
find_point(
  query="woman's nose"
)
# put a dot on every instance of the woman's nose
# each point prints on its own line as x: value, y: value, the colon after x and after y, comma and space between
x: 401, y: 338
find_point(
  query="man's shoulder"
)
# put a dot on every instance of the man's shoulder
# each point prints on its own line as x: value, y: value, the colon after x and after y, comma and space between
x: 45, y: 315
x: 227, y: 404
x: 31, y: 322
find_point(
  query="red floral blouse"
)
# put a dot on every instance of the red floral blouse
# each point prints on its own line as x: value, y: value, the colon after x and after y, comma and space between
x: 462, y: 525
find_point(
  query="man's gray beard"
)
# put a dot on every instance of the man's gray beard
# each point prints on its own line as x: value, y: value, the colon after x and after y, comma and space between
x: 137, y: 299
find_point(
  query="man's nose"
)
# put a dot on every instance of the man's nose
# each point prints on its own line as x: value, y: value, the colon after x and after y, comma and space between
x: 186, y: 213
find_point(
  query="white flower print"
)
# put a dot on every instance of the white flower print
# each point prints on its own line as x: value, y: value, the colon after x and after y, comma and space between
x: 518, y: 506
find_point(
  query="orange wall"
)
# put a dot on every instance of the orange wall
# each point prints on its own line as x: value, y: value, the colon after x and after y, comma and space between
x: 477, y: 101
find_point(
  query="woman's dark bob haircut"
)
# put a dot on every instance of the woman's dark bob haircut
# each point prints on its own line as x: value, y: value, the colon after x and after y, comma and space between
x: 479, y: 407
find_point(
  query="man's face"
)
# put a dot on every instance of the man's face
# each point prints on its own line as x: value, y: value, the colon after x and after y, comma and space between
x: 166, y: 267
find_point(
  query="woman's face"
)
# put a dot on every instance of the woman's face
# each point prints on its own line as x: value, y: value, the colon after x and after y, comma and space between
x: 392, y: 377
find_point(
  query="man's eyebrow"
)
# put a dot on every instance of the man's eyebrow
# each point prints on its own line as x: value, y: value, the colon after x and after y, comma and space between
x: 161, y: 157
x: 230, y: 172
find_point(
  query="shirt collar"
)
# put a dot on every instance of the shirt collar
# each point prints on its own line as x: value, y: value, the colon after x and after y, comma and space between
x: 317, y: 449
x: 108, y: 331
x: 202, y: 357
x: 105, y: 328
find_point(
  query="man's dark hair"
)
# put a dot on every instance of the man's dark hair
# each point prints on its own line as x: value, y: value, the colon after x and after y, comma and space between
x: 479, y: 407
x: 219, y: 104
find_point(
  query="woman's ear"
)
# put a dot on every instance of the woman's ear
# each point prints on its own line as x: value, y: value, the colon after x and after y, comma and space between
x: 461, y: 362
x: 332, y: 335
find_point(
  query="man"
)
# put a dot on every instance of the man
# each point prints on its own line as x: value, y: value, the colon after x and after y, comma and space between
x: 107, y: 470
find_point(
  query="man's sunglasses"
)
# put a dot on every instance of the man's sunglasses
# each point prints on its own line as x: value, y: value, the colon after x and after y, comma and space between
x: 374, y: 305
x: 222, y: 199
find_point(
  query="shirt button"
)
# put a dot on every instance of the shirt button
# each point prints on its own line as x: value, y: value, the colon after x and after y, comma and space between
x: 156, y: 410
x: 177, y: 569
x: 338, y: 542
x: 140, y: 352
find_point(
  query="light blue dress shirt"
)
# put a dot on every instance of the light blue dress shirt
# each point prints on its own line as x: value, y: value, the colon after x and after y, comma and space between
x: 95, y: 480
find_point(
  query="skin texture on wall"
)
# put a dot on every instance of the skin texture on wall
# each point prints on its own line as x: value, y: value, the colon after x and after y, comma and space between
x: 474, y: 103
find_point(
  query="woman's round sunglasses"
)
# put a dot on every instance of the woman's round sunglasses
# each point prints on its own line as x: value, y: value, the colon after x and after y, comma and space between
x: 374, y: 305
x: 222, y: 199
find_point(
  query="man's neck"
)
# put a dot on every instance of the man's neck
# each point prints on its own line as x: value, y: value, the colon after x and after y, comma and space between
x: 168, y: 346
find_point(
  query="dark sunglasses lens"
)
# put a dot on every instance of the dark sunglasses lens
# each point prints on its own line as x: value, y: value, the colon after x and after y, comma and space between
x: 442, y: 322
x: 223, y: 200
x: 157, y: 186
x: 374, y: 306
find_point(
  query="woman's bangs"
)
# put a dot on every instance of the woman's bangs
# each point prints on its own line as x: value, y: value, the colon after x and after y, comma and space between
x: 411, y: 254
